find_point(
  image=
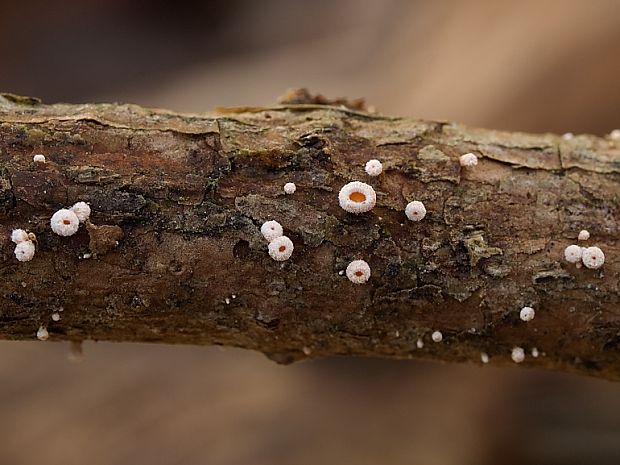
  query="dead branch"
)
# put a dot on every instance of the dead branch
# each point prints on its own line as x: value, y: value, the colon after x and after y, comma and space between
x: 174, y: 252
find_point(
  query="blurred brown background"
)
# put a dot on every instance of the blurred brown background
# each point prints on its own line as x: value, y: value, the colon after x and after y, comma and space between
x: 527, y: 65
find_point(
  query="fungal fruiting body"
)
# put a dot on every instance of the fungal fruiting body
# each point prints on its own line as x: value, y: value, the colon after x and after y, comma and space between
x: 373, y: 167
x: 527, y: 314
x: 437, y: 336
x: 24, y: 251
x: 518, y: 355
x: 19, y: 235
x: 468, y: 160
x: 281, y: 248
x: 568, y: 136
x: 583, y: 235
x: 358, y: 271
x: 81, y: 210
x: 415, y: 210
x: 38, y: 158
x: 271, y: 229
x: 419, y: 344
x: 593, y: 258
x: 65, y: 222
x: 484, y: 357
x: 615, y: 134
x: 357, y: 197
x: 535, y: 352
x: 42, y: 334
x: 290, y: 188
x: 573, y: 253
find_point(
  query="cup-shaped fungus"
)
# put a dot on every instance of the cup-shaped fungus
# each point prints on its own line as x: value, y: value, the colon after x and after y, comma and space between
x: 437, y: 336
x: 527, y: 314
x: 42, y: 333
x: 415, y: 210
x: 593, y: 257
x: 468, y: 160
x: 281, y: 248
x: 271, y: 229
x: 81, y: 210
x: 64, y: 222
x: 24, y: 251
x: 357, y: 197
x: 584, y: 235
x: 373, y: 167
x: 290, y: 188
x: 573, y: 253
x: 19, y: 235
x: 358, y: 271
x: 38, y: 158
x: 517, y: 355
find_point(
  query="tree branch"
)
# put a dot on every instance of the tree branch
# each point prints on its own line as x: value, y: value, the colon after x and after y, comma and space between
x: 189, y: 264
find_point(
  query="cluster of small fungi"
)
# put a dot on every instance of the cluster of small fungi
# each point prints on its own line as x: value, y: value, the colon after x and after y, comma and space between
x: 280, y: 247
x: 590, y: 257
x: 358, y: 197
x: 24, y: 248
x: 65, y: 222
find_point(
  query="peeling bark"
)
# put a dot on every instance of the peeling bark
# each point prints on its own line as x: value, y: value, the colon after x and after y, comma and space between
x: 174, y: 253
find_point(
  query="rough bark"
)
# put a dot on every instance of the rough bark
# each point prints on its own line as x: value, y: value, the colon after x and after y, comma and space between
x: 176, y: 255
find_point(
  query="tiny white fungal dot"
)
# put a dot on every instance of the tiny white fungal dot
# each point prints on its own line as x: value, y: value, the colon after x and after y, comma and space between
x: 86, y: 256
x: 584, y: 235
x: 573, y: 253
x: 357, y: 197
x: 593, y: 258
x: 469, y: 159
x: 19, y: 235
x: 373, y: 167
x: 64, y: 222
x: 271, y: 230
x: 281, y: 248
x: 518, y: 355
x: 227, y: 300
x: 568, y: 136
x: 42, y: 334
x: 234, y: 296
x: 24, y: 251
x: 615, y: 134
x: 419, y: 344
x: 38, y: 158
x: 484, y: 357
x: 534, y: 352
x: 527, y: 314
x: 358, y: 271
x: 290, y: 188
x: 306, y: 350
x: 437, y: 336
x: 415, y: 210
x: 56, y: 316
x: 81, y: 210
